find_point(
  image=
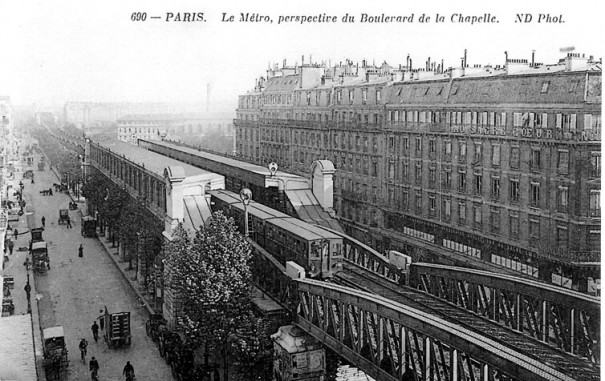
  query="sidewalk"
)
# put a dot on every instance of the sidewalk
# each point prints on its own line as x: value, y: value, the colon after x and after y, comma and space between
x: 14, y: 267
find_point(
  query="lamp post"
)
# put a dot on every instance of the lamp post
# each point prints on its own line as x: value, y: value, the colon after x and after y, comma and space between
x: 246, y: 195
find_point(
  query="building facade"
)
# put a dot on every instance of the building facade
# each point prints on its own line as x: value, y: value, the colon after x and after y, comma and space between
x: 499, y: 163
x: 189, y: 127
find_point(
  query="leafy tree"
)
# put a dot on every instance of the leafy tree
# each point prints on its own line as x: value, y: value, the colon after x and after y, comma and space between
x: 253, y: 348
x: 211, y: 276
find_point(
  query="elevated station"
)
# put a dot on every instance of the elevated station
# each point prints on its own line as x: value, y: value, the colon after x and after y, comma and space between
x: 288, y: 193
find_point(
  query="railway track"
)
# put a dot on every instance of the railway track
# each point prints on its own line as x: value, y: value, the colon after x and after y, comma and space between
x: 574, y: 366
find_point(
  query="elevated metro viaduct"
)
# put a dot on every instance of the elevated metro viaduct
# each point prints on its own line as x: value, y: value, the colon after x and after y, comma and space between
x: 270, y: 190
x: 380, y: 335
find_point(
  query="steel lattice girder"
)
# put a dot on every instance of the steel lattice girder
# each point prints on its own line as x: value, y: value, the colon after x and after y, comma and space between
x: 418, y: 341
x: 563, y: 318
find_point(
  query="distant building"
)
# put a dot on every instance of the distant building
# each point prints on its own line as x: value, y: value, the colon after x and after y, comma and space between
x: 500, y: 163
x: 85, y: 115
x: 189, y: 127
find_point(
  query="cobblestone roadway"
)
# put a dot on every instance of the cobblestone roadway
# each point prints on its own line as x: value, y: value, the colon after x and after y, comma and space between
x: 75, y: 289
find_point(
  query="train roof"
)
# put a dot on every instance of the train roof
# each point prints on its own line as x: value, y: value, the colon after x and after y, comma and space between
x: 307, y: 231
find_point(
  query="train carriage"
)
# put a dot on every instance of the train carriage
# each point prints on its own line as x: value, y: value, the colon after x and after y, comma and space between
x: 288, y: 239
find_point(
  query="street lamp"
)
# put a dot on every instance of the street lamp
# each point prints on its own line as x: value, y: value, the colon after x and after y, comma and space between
x: 246, y: 195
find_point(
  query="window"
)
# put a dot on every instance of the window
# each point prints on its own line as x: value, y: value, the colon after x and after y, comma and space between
x: 595, y: 164
x: 477, y: 216
x: 595, y: 202
x: 563, y: 162
x: 534, y: 229
x: 535, y: 162
x: 378, y: 95
x: 515, y: 157
x: 462, y: 180
x: 478, y: 158
x: 478, y: 184
x: 418, y: 174
x: 562, y: 199
x: 418, y: 146
x: 447, y: 179
x: 351, y: 96
x: 462, y: 152
x: 364, y: 95
x: 534, y: 194
x: 462, y: 213
x: 544, y: 87
x: 514, y: 226
x: 594, y: 239
x: 562, y: 236
x: 432, y: 205
x: 495, y: 220
x: 496, y: 155
x: 447, y: 150
x: 418, y: 202
x: 514, y: 190
x: 406, y: 145
x: 406, y: 171
x: 432, y: 148
x: 432, y: 176
x: 447, y: 209
x: 495, y: 187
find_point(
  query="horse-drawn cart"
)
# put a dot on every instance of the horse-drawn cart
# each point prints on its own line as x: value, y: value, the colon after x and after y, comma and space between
x: 55, y: 352
x: 89, y: 226
x: 117, y: 329
x: 40, y: 258
x: 63, y: 216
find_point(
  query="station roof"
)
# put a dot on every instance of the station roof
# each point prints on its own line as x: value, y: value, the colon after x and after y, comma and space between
x: 17, y: 354
x: 197, y: 212
x: 237, y: 164
x: 151, y: 161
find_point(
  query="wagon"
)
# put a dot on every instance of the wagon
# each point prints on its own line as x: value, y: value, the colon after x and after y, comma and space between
x: 40, y: 259
x: 55, y: 352
x: 63, y: 216
x: 117, y: 329
x: 89, y: 226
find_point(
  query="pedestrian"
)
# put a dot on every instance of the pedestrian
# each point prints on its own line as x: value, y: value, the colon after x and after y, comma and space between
x: 32, y: 180
x: 95, y: 330
x: 93, y: 366
x: 102, y: 320
x: 43, y: 221
x: 28, y: 290
x: 50, y: 191
x: 68, y: 222
x: 128, y: 371
x: 80, y: 251
x: 16, y: 233
x: 11, y: 245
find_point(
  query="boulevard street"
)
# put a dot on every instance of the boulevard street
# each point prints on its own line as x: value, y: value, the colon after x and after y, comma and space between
x: 74, y: 291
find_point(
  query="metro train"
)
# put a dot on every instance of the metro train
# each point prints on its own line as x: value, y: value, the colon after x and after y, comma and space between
x: 317, y: 250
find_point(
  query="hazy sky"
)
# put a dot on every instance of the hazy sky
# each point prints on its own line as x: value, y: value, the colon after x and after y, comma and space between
x: 62, y: 50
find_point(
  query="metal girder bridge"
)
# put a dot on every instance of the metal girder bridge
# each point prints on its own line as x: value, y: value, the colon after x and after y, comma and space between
x: 391, y: 341
x: 554, y: 315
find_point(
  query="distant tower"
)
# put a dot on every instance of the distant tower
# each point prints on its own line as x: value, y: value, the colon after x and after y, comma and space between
x: 208, y: 90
